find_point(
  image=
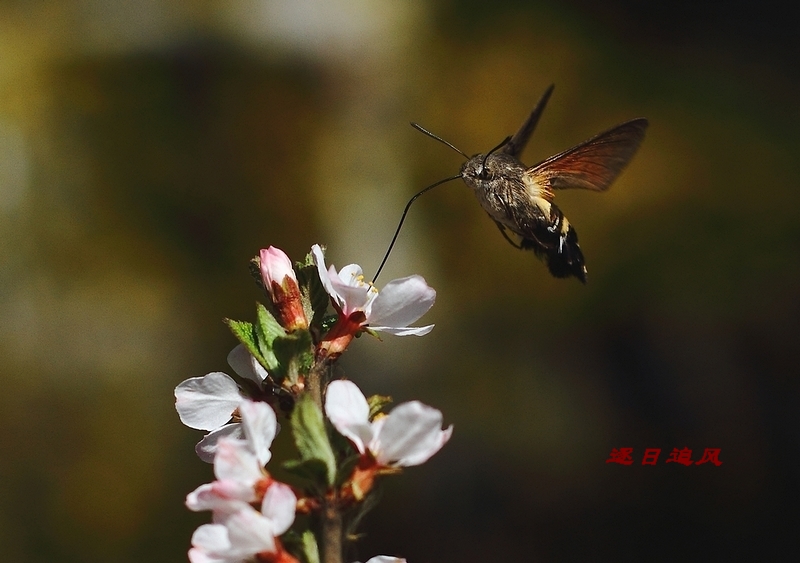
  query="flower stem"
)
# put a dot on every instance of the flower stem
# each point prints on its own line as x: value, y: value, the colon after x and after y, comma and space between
x: 318, y: 377
x: 331, y: 532
x: 331, y: 516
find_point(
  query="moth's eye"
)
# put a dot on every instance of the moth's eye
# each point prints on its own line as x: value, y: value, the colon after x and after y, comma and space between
x: 483, y: 173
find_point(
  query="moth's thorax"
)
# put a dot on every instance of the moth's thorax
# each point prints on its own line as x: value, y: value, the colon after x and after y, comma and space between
x: 503, y: 188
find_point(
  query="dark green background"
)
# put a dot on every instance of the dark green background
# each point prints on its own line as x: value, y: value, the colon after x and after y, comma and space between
x: 147, y: 152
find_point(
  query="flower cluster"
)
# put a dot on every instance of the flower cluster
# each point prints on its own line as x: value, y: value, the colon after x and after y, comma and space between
x: 281, y: 367
x: 241, y: 531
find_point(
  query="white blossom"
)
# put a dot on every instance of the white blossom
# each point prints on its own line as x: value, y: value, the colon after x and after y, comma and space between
x: 400, y: 303
x: 409, y: 435
x: 237, y: 537
x: 208, y: 402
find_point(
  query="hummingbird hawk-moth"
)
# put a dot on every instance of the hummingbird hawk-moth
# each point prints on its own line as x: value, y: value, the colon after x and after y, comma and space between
x: 519, y: 198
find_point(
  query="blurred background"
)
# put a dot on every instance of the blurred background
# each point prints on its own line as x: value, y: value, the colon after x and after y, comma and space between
x: 148, y: 149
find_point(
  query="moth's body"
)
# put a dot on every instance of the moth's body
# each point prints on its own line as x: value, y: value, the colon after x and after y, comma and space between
x: 516, y: 201
x: 520, y: 198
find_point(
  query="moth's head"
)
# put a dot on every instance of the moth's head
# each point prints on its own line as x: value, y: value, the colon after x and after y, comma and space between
x: 473, y: 171
x: 480, y: 171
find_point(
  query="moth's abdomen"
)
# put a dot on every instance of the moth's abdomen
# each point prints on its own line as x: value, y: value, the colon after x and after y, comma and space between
x: 556, y: 245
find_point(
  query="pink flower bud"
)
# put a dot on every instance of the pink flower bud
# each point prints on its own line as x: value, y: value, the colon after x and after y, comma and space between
x: 280, y: 282
x: 275, y: 266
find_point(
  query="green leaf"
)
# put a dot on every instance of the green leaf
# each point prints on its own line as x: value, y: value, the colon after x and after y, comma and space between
x: 346, y: 469
x: 312, y: 469
x: 315, y: 298
x: 341, y: 445
x: 293, y: 542
x: 311, y: 437
x: 363, y: 508
x: 295, y: 354
x: 246, y: 334
x: 267, y: 330
x: 310, y: 548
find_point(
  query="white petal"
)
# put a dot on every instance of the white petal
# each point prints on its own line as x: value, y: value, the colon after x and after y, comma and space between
x: 260, y: 426
x: 402, y: 302
x: 197, y: 555
x: 410, y: 435
x: 207, y: 402
x: 202, y: 498
x: 250, y: 533
x: 352, y: 275
x: 232, y: 493
x: 348, y: 411
x: 350, y: 285
x: 210, y: 540
x: 207, y: 447
x: 279, y: 505
x: 386, y: 559
x: 324, y: 276
x: 235, y: 461
x: 220, y: 496
x: 244, y: 364
x: 407, y: 331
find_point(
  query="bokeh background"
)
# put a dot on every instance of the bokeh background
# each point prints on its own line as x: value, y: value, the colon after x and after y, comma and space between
x: 148, y: 149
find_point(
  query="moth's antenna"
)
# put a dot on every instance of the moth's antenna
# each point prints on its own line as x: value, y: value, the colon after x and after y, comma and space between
x: 419, y: 127
x: 405, y: 212
x: 497, y: 148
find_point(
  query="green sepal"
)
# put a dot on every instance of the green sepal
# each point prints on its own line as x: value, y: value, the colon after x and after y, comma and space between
x: 246, y: 333
x: 254, y: 266
x: 311, y: 437
x: 268, y: 329
x: 310, y: 548
x: 315, y: 298
x: 376, y: 404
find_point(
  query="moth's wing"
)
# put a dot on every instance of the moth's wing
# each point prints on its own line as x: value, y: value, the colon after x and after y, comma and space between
x: 594, y: 163
x: 517, y: 143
